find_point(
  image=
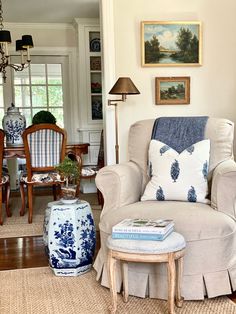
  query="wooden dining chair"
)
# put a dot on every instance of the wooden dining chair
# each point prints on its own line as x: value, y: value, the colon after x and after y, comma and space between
x: 45, y: 146
x: 4, y: 181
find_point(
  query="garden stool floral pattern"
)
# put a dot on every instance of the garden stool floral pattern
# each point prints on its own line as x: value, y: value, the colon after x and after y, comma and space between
x: 69, y: 237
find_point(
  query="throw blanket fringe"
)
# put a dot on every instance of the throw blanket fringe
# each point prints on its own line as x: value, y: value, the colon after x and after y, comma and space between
x: 179, y: 132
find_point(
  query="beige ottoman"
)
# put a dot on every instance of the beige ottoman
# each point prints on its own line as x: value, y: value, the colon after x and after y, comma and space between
x: 167, y: 251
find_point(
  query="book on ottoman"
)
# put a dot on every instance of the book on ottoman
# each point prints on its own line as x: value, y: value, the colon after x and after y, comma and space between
x: 143, y: 229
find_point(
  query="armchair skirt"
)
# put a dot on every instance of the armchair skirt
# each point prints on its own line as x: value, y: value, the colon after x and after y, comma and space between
x: 209, y: 263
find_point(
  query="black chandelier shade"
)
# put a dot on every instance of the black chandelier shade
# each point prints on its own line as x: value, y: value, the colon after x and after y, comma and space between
x: 19, y: 46
x: 27, y: 41
x: 5, y: 36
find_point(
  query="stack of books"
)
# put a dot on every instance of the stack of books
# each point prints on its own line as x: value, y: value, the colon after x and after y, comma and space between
x: 143, y: 229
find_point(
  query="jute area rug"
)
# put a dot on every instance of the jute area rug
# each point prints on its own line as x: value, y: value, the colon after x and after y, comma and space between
x: 39, y: 291
x: 17, y: 226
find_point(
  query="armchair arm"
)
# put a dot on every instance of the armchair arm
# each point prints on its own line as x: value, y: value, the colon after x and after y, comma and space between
x: 223, y: 192
x: 120, y: 185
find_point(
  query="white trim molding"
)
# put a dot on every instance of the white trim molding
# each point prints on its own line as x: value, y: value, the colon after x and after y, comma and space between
x: 39, y: 25
x: 108, y: 49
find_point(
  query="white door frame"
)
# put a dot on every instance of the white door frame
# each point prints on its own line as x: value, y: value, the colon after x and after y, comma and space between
x: 109, y: 77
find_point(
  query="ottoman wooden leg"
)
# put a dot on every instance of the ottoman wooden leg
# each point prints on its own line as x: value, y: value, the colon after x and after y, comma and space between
x: 178, y: 298
x: 112, y: 281
x: 171, y: 283
x: 125, y: 281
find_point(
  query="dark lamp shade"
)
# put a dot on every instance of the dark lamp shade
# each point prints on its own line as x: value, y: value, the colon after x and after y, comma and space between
x: 19, y: 45
x: 5, y: 36
x: 124, y: 86
x: 27, y: 41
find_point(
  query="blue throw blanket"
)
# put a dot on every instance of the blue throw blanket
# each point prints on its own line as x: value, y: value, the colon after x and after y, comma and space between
x: 179, y: 132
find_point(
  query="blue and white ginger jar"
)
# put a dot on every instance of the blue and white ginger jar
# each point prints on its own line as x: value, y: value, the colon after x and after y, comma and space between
x: 13, y: 124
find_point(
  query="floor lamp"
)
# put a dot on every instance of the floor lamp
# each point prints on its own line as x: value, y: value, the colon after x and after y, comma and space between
x: 123, y: 86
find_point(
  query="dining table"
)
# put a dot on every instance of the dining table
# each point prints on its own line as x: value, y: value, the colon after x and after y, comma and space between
x: 74, y: 150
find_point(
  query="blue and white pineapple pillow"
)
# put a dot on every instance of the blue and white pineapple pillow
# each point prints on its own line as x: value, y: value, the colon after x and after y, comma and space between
x: 178, y: 177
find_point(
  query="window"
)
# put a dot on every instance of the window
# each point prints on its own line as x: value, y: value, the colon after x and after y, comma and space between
x: 41, y: 86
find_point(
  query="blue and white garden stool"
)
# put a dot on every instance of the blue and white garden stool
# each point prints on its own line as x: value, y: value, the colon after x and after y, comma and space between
x: 69, y: 237
x: 167, y: 251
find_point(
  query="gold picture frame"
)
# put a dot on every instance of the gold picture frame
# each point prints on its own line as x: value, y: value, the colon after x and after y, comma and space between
x: 172, y: 90
x: 171, y: 43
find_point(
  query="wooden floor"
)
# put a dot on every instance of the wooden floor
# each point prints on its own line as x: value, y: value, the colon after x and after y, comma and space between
x: 26, y: 252
x: 23, y: 252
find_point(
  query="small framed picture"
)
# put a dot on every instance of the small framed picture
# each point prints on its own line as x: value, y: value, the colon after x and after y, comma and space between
x: 171, y: 43
x: 95, y: 63
x: 172, y: 90
x: 96, y: 108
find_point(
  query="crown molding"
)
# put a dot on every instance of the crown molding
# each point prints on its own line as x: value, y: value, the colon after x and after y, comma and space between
x: 47, y: 51
x: 62, y: 26
x: 90, y: 21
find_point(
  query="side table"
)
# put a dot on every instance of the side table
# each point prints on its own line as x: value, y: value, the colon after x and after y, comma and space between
x: 69, y: 237
x: 169, y: 250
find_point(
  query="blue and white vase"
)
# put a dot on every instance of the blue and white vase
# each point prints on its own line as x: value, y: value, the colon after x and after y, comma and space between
x: 13, y: 124
x: 69, y: 237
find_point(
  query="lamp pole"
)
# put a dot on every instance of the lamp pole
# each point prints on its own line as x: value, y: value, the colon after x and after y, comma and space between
x: 123, y: 86
x: 114, y: 103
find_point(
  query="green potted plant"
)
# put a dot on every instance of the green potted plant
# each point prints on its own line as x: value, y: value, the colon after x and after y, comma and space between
x: 70, y: 172
x: 44, y: 116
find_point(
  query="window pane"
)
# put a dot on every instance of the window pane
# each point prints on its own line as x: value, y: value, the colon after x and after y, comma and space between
x: 21, y: 77
x: 39, y: 96
x: 1, y: 96
x: 1, y: 105
x: 54, y: 74
x: 58, y: 113
x: 38, y: 74
x: 55, y: 96
x: 22, y: 96
x: 39, y: 87
x: 1, y: 116
x: 35, y: 110
x: 27, y: 114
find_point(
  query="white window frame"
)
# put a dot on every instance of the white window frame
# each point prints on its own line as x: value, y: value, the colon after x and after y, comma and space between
x: 69, y: 86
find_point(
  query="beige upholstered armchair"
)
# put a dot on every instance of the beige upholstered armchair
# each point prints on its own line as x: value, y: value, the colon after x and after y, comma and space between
x: 209, y: 229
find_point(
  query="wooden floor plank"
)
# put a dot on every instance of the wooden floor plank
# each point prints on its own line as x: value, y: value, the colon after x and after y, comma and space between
x: 22, y: 252
x: 26, y: 252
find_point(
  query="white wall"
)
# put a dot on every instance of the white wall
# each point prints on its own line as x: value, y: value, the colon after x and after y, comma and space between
x: 213, y: 85
x: 44, y: 34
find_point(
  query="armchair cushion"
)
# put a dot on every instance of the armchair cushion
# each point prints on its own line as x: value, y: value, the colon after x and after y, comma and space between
x: 180, y: 177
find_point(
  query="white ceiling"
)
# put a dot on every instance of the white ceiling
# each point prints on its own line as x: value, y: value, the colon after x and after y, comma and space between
x: 48, y: 11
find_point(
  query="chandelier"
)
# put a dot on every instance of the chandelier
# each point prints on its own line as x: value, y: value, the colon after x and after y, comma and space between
x: 23, y: 45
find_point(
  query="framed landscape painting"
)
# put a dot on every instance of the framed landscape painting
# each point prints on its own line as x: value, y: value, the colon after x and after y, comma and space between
x: 171, y: 43
x: 173, y: 90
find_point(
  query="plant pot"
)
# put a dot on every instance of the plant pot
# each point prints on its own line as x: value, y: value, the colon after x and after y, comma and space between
x: 68, y: 192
